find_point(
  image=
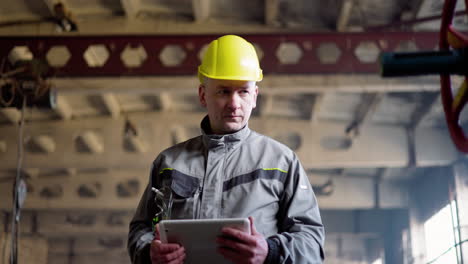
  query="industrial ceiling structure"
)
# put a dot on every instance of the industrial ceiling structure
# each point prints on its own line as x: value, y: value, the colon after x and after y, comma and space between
x: 127, y: 88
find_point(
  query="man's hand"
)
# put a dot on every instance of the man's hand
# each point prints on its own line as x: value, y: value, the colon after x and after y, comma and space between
x: 241, y: 247
x: 165, y: 253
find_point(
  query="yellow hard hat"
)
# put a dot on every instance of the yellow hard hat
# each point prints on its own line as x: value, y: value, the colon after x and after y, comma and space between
x: 230, y: 58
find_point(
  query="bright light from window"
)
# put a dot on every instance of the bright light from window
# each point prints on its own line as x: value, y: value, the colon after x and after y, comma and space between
x: 377, y: 261
x: 439, y: 231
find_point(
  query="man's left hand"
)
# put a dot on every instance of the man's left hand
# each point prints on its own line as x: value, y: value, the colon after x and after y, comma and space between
x: 241, y: 247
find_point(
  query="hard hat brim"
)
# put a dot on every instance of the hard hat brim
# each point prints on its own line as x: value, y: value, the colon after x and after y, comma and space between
x: 202, y: 74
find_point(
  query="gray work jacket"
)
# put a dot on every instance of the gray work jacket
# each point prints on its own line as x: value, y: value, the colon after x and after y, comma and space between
x: 236, y: 175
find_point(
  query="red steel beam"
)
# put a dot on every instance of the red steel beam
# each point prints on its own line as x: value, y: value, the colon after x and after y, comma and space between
x: 309, y: 44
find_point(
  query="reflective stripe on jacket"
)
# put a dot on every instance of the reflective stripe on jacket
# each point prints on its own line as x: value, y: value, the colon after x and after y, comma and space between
x: 235, y: 175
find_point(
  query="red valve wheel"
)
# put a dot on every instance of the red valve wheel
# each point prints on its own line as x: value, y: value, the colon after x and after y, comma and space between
x: 451, y: 38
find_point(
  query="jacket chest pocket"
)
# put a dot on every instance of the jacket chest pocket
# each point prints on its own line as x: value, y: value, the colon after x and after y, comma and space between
x: 185, y: 193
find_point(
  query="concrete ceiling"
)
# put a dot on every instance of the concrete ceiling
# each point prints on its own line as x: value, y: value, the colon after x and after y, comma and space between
x: 338, y: 114
x: 81, y: 155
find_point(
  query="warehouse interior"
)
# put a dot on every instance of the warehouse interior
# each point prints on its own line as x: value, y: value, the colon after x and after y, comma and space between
x: 391, y: 186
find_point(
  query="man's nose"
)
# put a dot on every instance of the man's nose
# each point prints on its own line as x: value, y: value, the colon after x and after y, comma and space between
x: 234, y: 101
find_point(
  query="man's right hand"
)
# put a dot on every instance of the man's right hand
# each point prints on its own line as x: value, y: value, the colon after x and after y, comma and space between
x: 166, y: 253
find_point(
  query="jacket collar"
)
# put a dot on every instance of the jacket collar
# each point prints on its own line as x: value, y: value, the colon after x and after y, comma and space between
x: 229, y: 140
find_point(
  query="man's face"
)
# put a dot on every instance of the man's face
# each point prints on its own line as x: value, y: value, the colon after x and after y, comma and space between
x: 229, y: 103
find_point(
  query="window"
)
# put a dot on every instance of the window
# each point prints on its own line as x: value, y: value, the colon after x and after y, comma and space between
x: 441, y: 231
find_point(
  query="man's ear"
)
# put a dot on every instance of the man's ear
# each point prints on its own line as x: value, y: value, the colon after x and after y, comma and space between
x: 202, y: 94
x: 255, y: 97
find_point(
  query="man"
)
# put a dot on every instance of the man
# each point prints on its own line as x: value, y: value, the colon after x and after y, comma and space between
x: 231, y: 171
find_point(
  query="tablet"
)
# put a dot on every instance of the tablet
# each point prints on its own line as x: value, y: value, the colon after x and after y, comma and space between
x: 198, y: 236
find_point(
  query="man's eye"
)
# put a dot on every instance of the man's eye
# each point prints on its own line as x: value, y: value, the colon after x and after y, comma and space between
x: 244, y: 91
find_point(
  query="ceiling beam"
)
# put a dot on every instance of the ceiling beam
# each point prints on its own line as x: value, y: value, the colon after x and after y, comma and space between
x: 12, y: 114
x: 345, y: 14
x: 316, y: 105
x: 71, y: 171
x: 137, y: 144
x: 272, y: 12
x: 426, y: 9
x: 92, y: 141
x: 390, y: 194
x: 366, y: 108
x: 165, y: 101
x: 63, y: 108
x: 112, y: 104
x: 112, y: 222
x: 271, y: 84
x: 377, y: 145
x: 434, y: 147
x: 361, y: 221
x: 95, y: 25
x: 50, y: 5
x: 423, y: 109
x: 87, y: 226
x: 32, y: 173
x: 45, y: 143
x: 201, y: 10
x: 132, y: 135
x: 131, y: 8
x: 68, y: 198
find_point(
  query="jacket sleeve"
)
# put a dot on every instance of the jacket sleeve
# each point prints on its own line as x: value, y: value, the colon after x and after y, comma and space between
x: 301, y: 234
x: 140, y: 233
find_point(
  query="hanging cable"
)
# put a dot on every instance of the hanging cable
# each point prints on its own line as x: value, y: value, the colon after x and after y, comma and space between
x: 7, y: 93
x: 19, y: 191
x: 447, y: 251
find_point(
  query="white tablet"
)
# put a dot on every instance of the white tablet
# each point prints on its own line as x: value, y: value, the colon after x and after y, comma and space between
x: 198, y: 236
